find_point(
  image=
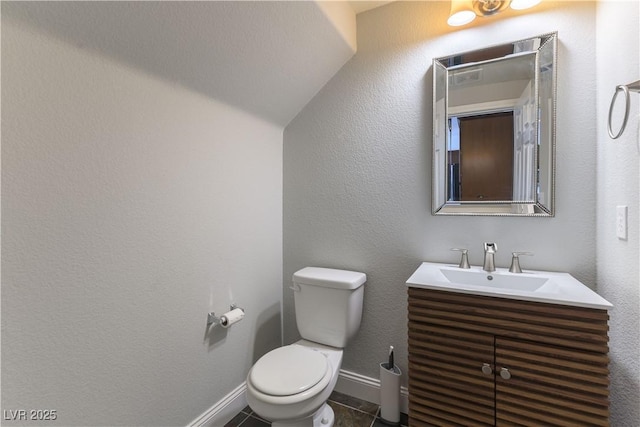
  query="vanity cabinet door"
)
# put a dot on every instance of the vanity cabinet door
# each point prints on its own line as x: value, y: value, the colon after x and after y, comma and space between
x: 451, y: 380
x: 538, y: 384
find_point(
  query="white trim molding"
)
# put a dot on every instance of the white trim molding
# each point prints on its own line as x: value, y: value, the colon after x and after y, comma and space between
x: 224, y: 410
x: 367, y: 388
x: 349, y: 383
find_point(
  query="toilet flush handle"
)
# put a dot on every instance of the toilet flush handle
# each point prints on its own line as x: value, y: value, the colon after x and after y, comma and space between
x: 295, y: 287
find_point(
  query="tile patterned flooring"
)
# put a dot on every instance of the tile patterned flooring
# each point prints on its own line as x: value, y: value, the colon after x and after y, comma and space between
x: 350, y: 412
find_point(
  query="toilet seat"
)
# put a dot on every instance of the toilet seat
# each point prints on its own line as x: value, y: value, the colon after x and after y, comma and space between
x: 290, y: 370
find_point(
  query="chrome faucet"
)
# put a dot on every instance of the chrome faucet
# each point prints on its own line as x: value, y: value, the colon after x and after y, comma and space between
x: 464, y: 259
x: 515, y: 261
x: 490, y: 250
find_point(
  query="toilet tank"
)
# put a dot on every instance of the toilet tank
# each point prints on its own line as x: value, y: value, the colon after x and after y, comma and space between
x: 328, y: 304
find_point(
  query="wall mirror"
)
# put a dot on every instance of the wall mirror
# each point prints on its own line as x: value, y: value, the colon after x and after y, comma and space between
x: 494, y: 130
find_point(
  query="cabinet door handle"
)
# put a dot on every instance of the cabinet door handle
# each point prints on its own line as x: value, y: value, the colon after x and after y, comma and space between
x: 505, y: 374
x: 486, y: 369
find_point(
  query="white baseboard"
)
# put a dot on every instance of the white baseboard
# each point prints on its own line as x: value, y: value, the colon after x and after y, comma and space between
x: 367, y: 388
x: 349, y: 383
x: 224, y: 410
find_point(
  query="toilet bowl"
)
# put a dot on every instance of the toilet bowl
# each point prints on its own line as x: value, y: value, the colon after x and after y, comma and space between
x: 290, y: 385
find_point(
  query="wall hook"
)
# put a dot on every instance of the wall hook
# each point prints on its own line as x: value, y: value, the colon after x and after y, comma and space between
x: 631, y: 87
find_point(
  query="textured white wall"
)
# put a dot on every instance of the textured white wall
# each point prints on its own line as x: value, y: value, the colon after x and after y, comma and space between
x: 357, y: 166
x: 264, y: 57
x: 131, y: 207
x: 618, y: 50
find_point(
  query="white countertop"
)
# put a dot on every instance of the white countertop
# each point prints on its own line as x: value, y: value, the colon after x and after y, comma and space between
x: 540, y: 286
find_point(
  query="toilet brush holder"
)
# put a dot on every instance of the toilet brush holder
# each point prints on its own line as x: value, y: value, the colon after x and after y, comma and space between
x: 390, y: 393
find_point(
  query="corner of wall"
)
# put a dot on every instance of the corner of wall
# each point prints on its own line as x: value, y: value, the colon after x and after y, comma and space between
x: 343, y: 18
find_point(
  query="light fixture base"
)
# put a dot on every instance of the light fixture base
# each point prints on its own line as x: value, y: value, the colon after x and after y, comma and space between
x: 489, y: 7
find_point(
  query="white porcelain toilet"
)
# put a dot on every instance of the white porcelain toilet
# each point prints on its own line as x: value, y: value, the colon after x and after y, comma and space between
x: 290, y: 385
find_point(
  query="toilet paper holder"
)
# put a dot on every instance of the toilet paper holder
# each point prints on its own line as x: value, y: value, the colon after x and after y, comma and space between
x: 214, y: 320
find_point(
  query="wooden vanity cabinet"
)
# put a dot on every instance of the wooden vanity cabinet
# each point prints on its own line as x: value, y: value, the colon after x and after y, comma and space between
x: 487, y: 361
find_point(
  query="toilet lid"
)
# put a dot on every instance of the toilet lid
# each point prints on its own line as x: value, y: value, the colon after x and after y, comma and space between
x: 288, y: 370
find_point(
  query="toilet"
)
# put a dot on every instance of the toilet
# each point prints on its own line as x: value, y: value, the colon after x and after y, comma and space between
x: 290, y: 385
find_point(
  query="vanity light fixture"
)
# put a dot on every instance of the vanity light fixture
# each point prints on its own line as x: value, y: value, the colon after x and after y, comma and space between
x: 464, y: 11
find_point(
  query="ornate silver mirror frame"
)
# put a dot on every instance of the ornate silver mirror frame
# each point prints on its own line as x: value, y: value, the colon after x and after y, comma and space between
x: 494, y: 130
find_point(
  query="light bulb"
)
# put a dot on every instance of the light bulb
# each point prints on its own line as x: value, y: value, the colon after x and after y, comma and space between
x: 461, y: 13
x: 461, y: 18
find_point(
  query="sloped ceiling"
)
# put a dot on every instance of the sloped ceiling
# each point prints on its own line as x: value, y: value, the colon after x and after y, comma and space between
x: 266, y: 57
x: 360, y: 6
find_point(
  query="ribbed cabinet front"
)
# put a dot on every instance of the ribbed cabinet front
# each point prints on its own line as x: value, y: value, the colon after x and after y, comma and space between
x: 486, y: 361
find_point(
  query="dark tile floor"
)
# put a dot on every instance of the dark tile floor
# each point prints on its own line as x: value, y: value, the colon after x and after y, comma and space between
x: 350, y: 412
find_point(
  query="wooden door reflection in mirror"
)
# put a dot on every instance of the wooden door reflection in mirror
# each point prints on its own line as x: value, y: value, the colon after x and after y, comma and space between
x: 481, y: 157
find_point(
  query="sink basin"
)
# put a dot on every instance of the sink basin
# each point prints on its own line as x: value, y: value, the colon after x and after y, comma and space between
x: 541, y: 286
x: 492, y: 280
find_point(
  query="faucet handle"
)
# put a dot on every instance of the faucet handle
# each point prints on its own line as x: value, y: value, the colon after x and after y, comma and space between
x: 515, y: 261
x: 464, y: 260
